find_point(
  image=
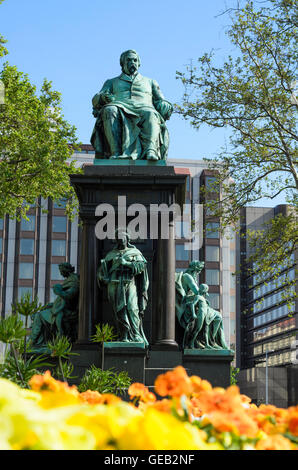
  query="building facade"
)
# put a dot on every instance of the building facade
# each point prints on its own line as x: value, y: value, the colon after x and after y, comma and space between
x: 267, y: 323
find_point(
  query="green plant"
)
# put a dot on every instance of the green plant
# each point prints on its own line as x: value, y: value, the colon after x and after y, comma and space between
x: 27, y: 308
x: 104, y: 381
x: 28, y: 368
x: 233, y: 377
x: 103, y: 334
x: 12, y: 331
x: 65, y: 370
x: 60, y: 347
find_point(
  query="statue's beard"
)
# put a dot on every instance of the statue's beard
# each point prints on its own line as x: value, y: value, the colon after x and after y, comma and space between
x: 131, y: 70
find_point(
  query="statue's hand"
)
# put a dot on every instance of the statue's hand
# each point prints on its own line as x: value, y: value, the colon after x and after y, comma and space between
x: 168, y: 111
x: 107, y: 98
x: 165, y: 108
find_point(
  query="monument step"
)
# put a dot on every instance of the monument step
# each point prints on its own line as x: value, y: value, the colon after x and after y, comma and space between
x: 164, y: 359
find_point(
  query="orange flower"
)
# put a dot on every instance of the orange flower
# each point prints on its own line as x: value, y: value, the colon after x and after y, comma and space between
x: 199, y: 385
x: 109, y: 399
x: 195, y: 407
x: 163, y: 405
x: 140, y: 391
x: 293, y: 420
x: 245, y: 400
x: 237, y: 422
x: 92, y: 397
x: 275, y: 442
x: 173, y: 383
x: 219, y: 399
x: 38, y: 383
x: 270, y: 419
x: 136, y: 390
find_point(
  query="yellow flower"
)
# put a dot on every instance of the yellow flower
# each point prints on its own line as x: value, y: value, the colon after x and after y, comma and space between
x: 155, y: 430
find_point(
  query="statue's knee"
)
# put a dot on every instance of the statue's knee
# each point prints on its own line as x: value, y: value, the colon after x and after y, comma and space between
x: 149, y: 116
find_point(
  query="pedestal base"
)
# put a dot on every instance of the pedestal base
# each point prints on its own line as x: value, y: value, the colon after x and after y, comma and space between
x: 209, y: 364
x: 129, y: 357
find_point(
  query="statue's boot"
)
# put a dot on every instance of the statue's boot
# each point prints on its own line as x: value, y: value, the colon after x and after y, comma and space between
x: 151, y: 155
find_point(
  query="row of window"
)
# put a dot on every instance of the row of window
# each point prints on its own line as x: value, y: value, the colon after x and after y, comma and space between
x: 273, y: 284
x: 272, y: 299
x: 272, y: 315
x: 275, y: 329
x: 59, y: 223
x: 212, y: 253
x: 258, y: 277
x: 278, y: 359
x: 274, y: 345
x: 27, y: 247
x: 26, y: 271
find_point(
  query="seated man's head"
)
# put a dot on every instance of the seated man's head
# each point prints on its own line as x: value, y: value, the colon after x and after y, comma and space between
x: 66, y: 269
x: 130, y: 62
x: 196, y: 266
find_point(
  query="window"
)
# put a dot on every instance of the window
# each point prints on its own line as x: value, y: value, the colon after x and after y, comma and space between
x: 233, y: 281
x: 232, y: 326
x: 60, y: 204
x: 1, y: 224
x: 212, y: 277
x: 28, y: 225
x: 212, y: 253
x: 212, y: 230
x: 26, y: 271
x: 214, y: 300
x: 58, y: 248
x: 232, y: 303
x: 55, y: 273
x: 1, y: 241
x: 182, y: 229
x: 27, y: 246
x: 187, y: 183
x: 23, y: 290
x: 181, y: 253
x: 53, y: 296
x: 211, y: 183
x: 59, y: 224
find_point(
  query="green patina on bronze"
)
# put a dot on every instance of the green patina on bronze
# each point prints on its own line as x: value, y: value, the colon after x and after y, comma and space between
x: 124, y: 271
x: 130, y: 113
x: 203, y: 326
x: 61, y: 316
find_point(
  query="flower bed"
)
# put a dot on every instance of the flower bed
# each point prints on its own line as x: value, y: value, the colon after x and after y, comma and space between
x: 192, y: 415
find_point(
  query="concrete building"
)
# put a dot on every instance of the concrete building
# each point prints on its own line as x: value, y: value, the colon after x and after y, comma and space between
x: 267, y: 324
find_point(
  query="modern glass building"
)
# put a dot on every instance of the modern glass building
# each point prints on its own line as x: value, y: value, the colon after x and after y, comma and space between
x: 267, y: 322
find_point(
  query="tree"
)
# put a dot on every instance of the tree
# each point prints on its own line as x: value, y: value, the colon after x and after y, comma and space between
x: 3, y: 50
x: 253, y: 95
x: 35, y: 144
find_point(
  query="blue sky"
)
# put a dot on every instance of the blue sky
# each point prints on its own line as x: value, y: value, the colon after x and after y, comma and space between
x: 76, y: 44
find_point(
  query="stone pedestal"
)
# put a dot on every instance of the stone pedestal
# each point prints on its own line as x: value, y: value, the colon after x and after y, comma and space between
x: 129, y: 357
x: 209, y: 364
x: 145, y: 184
